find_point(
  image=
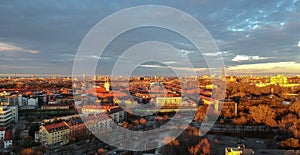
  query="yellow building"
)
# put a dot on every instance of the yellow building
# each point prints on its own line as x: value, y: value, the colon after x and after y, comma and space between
x: 238, y: 151
x: 278, y: 79
x: 233, y: 151
x: 168, y: 101
x: 54, y: 134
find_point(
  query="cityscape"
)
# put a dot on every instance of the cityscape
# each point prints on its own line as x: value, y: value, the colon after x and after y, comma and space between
x: 41, y: 116
x: 150, y: 77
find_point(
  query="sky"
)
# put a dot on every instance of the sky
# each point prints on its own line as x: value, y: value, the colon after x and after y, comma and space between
x: 254, y: 36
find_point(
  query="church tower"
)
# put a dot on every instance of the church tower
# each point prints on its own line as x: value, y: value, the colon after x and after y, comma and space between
x: 106, y: 84
x: 223, y: 73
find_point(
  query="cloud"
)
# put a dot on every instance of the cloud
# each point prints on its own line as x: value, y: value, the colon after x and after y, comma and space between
x: 195, y: 69
x: 212, y: 54
x: 170, y: 62
x: 240, y: 58
x: 268, y: 67
x: 9, y: 47
x: 261, y: 29
x: 186, y: 52
x: 97, y: 57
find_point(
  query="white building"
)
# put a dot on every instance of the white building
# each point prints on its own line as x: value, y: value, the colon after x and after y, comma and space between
x: 32, y: 102
x: 117, y: 114
x: 5, y: 116
x: 15, y: 113
x: 20, y: 100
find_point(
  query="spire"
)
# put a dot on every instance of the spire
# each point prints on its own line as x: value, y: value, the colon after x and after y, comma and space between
x: 223, y: 72
x: 106, y: 84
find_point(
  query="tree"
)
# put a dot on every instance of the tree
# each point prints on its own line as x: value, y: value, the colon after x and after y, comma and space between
x: 101, y: 151
x: 203, y: 148
x: 142, y: 121
x: 227, y: 113
x: 171, y: 144
x: 200, y: 113
x: 295, y: 108
x: 241, y: 121
x: 263, y: 114
x: 296, y: 128
x: 125, y: 124
x: 290, y: 143
x: 42, y: 148
x: 170, y: 140
x: 33, y: 128
x: 287, y: 122
x: 136, y: 122
x: 29, y: 151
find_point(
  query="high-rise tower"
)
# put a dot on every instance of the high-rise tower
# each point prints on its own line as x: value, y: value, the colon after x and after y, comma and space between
x: 223, y: 72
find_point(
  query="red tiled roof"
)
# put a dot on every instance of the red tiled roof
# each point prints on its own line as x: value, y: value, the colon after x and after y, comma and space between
x: 50, y: 127
x: 8, y: 135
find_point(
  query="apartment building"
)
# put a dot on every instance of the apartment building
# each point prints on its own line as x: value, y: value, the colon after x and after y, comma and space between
x: 54, y: 134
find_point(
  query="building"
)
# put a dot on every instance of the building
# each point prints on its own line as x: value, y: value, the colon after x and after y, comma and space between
x: 55, y: 107
x: 32, y: 102
x: 238, y: 151
x: 2, y: 133
x: 223, y: 73
x: 117, y: 114
x: 78, y: 129
x: 168, y: 101
x: 8, y: 139
x: 15, y: 113
x: 98, y: 123
x: 106, y: 84
x: 92, y: 109
x: 278, y: 79
x: 55, y: 134
x: 5, y: 116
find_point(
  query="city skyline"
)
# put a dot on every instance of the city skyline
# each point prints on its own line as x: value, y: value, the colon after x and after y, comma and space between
x: 39, y: 38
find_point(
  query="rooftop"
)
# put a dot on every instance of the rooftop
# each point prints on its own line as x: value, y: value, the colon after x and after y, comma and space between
x: 56, y: 126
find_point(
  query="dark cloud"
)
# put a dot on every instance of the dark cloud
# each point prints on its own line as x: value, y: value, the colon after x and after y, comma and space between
x: 268, y: 29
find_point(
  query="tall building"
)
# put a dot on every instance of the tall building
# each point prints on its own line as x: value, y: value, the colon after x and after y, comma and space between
x: 5, y: 116
x: 223, y: 73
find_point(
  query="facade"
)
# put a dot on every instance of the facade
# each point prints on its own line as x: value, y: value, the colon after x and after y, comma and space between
x: 99, y: 122
x: 78, y: 129
x: 55, y: 107
x: 2, y: 133
x: 238, y: 151
x: 278, y: 79
x: 15, y: 113
x: 92, y: 109
x: 117, y: 114
x: 54, y: 134
x: 5, y: 116
x: 32, y: 102
x: 8, y: 139
x: 168, y: 101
